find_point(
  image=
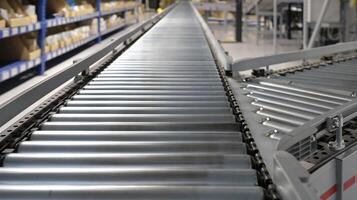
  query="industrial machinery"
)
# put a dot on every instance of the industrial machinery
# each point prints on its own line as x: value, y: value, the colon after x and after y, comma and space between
x: 156, y: 115
x: 306, y: 116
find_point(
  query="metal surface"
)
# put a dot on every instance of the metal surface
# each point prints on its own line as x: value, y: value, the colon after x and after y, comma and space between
x: 285, y: 107
x: 288, y: 110
x: 27, y: 98
x: 310, y: 112
x: 145, y: 128
x: 292, y: 178
x: 222, y: 59
x: 255, y: 63
x: 337, y: 76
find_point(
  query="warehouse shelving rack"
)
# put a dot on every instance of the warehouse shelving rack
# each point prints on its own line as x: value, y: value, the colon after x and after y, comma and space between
x: 13, y: 69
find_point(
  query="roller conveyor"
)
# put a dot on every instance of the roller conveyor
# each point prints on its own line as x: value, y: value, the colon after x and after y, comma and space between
x: 155, y: 124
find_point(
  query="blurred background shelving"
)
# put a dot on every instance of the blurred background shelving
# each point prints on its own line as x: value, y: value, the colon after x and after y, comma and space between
x: 33, y: 32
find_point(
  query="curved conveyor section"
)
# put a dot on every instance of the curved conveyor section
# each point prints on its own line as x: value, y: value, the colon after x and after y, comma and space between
x: 154, y: 125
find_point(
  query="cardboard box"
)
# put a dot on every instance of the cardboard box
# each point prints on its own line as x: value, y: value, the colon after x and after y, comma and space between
x: 29, y: 40
x: 19, y: 51
x: 33, y: 18
x: 75, y: 38
x: 14, y: 22
x: 62, y: 44
x: 16, y: 6
x: 2, y: 23
x: 30, y: 55
x: 47, y: 49
x: 68, y: 41
x: 56, y: 6
x: 54, y: 46
x: 30, y: 10
x: 15, y: 14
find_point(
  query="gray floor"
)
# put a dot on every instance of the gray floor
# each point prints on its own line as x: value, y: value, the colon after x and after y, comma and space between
x: 249, y: 48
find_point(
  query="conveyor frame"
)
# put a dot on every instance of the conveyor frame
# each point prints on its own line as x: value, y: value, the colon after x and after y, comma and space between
x: 264, y: 178
x: 323, y: 178
x: 16, y: 105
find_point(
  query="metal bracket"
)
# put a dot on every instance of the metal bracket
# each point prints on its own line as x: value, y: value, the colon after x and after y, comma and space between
x: 335, y: 124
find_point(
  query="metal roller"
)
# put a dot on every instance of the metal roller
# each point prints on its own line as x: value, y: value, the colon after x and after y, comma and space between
x: 199, y: 136
x: 158, y: 79
x: 291, y: 102
x: 140, y: 126
x: 154, y: 92
x: 298, y: 95
x: 129, y: 147
x: 156, y: 124
x: 288, y: 97
x: 135, y: 192
x: 134, y: 87
x: 152, y: 75
x: 149, y: 103
x: 152, y: 97
x: 118, y: 71
x: 146, y: 110
x: 129, y: 176
x: 203, y: 160
x: 308, y: 115
x: 143, y: 118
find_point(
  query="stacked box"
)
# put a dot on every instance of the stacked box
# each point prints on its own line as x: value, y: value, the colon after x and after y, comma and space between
x: 61, y: 8
x: 130, y: 4
x: 113, y: 21
x: 111, y: 5
x: 2, y: 23
x: 16, y: 13
x: 68, y: 37
x: 23, y: 47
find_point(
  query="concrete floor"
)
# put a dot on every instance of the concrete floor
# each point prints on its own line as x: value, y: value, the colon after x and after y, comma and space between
x: 249, y: 47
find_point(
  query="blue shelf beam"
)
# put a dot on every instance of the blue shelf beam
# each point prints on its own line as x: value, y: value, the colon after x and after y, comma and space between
x: 41, y: 13
x: 13, y: 31
x: 61, y: 51
x: 98, y: 9
x: 68, y: 20
x: 13, y: 69
x: 16, y: 68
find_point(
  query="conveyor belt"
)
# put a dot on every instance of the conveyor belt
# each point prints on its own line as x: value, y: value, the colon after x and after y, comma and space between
x: 156, y: 124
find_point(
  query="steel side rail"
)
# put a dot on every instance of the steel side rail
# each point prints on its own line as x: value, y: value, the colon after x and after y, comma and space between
x: 348, y: 111
x: 255, y: 63
x: 223, y: 59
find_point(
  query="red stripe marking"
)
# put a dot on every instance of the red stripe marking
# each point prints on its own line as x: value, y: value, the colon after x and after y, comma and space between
x: 349, y: 183
x: 328, y: 193
x: 332, y: 190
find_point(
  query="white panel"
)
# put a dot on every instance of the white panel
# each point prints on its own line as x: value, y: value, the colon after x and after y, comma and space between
x: 332, y: 14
